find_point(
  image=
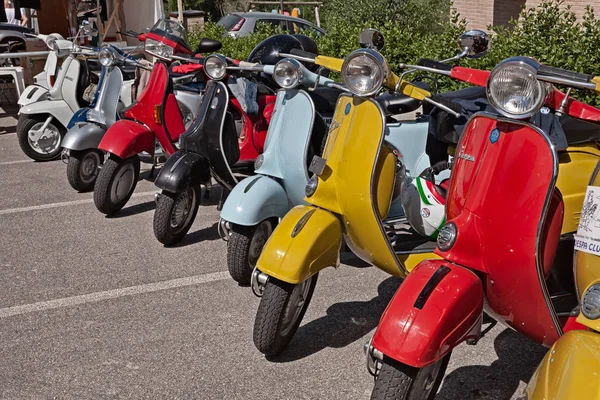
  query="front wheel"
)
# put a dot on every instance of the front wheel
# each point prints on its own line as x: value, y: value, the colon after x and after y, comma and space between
x: 115, y: 183
x: 280, y: 312
x: 397, y: 381
x: 37, y: 143
x: 244, y: 247
x: 82, y: 169
x: 175, y: 214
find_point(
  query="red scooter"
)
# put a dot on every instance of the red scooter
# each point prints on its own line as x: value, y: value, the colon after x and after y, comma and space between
x: 508, y: 242
x: 155, y: 120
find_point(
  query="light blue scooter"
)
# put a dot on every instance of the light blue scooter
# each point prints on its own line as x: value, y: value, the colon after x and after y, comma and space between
x: 88, y: 125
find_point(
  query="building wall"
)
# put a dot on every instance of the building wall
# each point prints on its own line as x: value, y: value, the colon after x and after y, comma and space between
x: 482, y: 13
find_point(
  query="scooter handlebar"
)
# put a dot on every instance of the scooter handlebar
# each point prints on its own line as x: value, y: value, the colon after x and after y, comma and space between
x: 546, y: 70
x: 304, y: 54
x: 426, y: 62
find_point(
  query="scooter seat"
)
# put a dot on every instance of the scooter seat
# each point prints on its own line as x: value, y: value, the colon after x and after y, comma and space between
x: 579, y: 130
x: 93, y: 64
x: 325, y: 99
x: 396, y: 103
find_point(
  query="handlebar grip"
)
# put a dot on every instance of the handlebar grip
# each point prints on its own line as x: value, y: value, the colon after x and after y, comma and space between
x: 448, y: 103
x: 302, y: 53
x: 546, y: 70
x: 426, y: 62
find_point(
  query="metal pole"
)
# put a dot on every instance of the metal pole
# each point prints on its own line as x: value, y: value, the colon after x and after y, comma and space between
x: 180, y: 8
x: 317, y: 19
x: 281, y: 5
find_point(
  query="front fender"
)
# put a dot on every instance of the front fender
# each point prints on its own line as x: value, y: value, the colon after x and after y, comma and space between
x: 83, y: 136
x: 569, y: 370
x: 255, y: 199
x: 307, y: 240
x: 32, y: 94
x: 438, y: 306
x: 59, y: 109
x: 126, y: 138
x: 182, y: 170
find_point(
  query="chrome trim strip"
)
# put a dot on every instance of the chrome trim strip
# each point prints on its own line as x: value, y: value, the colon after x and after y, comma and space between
x: 592, y: 178
x: 302, y: 222
x: 538, y: 256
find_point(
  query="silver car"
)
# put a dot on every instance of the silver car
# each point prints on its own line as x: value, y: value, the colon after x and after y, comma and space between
x: 243, y: 24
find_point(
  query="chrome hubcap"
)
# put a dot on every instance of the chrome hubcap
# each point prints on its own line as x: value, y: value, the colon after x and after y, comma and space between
x: 295, y: 305
x: 89, y: 166
x: 182, y: 210
x: 45, y: 142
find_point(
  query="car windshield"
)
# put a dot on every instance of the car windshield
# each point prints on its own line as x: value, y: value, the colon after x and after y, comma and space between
x: 173, y: 30
x: 229, y: 21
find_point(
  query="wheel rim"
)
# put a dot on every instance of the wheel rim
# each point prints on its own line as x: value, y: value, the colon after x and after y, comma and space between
x: 89, y: 167
x: 182, y: 210
x: 295, y: 305
x: 425, y: 380
x: 123, y: 182
x: 49, y: 140
x: 259, y: 238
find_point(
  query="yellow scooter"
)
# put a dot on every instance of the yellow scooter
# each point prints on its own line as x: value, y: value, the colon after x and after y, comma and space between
x: 349, y: 195
x: 570, y: 369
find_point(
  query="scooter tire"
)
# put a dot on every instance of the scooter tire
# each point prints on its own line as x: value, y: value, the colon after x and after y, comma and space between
x: 271, y: 336
x: 104, y: 184
x: 77, y: 177
x: 163, y: 217
x: 239, y: 247
x: 24, y: 125
x: 397, y: 381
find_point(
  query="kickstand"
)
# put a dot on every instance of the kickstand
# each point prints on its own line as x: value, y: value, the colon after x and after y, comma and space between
x: 152, y: 170
x: 224, y: 195
x: 492, y: 323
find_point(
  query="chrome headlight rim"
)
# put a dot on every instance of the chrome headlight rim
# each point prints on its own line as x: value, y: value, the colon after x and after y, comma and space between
x: 293, y: 65
x: 447, y: 236
x: 311, y: 186
x: 531, y: 66
x: 374, y: 56
x: 208, y: 70
x: 590, y: 302
x: 107, y: 57
x: 150, y: 44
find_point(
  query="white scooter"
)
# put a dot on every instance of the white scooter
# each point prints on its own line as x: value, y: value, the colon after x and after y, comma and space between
x: 44, y: 114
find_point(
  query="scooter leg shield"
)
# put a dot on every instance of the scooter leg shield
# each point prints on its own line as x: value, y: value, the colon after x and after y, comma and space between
x: 438, y: 306
x: 569, y: 370
x: 181, y: 171
x: 83, y: 137
x: 307, y: 240
x: 32, y: 94
x: 59, y: 109
x: 127, y: 138
x: 255, y: 199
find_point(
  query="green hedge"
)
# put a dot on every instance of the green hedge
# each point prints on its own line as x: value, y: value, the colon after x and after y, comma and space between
x: 550, y: 33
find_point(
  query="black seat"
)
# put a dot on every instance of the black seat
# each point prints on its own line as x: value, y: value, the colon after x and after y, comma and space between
x: 396, y: 103
x: 128, y: 72
x: 93, y: 64
x: 207, y: 45
x: 579, y: 130
x: 325, y: 99
x: 82, y: 84
x: 470, y: 93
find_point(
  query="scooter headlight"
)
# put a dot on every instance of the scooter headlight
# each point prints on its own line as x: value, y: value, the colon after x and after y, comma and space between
x: 311, y: 186
x: 364, y: 71
x: 107, y: 57
x: 288, y: 73
x: 158, y: 49
x: 51, y: 43
x: 447, y: 236
x: 513, y: 89
x: 590, y: 302
x: 215, y: 66
x: 259, y: 162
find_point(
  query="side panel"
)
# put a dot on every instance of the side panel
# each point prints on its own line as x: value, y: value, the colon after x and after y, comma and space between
x: 501, y: 188
x: 32, y: 94
x: 287, y: 142
x: 69, y: 86
x: 255, y: 199
x: 126, y: 138
x: 569, y: 370
x: 83, y: 136
x: 182, y: 170
x: 59, y: 109
x: 307, y: 240
x: 438, y: 306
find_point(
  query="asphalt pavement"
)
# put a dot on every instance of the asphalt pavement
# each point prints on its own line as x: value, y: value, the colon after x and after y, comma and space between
x: 95, y: 307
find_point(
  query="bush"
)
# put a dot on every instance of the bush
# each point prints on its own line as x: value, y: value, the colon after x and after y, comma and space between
x: 550, y: 33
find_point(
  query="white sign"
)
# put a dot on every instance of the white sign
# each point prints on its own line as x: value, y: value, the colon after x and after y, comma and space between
x: 587, y: 238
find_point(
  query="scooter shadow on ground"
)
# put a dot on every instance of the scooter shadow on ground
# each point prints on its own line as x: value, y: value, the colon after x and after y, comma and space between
x: 517, y: 360
x: 344, y: 324
x: 134, y: 210
x: 209, y: 233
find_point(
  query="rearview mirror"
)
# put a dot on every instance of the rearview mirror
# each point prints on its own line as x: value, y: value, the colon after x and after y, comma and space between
x: 371, y: 39
x: 474, y: 43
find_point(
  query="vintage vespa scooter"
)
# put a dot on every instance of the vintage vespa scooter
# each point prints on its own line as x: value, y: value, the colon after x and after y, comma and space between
x: 45, y: 114
x: 88, y: 125
x: 154, y: 119
x: 508, y: 241
x: 571, y: 367
x: 349, y: 194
